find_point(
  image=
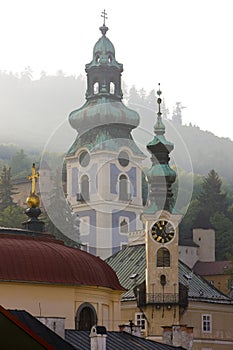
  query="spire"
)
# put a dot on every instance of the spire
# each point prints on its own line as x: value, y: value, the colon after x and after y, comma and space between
x: 103, y: 28
x: 160, y: 176
x: 159, y: 127
x: 33, y: 202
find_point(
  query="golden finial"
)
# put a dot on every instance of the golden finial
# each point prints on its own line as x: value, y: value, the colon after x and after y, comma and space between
x: 33, y: 200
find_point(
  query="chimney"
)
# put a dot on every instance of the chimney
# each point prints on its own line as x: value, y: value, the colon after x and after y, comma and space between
x: 98, y: 337
x: 178, y: 335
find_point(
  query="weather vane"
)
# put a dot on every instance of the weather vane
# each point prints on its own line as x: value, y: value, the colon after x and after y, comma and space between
x: 104, y: 15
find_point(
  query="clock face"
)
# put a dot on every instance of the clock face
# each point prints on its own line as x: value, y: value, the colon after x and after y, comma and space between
x: 162, y: 231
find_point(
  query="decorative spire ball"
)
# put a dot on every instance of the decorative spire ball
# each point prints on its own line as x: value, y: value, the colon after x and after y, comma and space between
x: 159, y: 127
x: 33, y: 201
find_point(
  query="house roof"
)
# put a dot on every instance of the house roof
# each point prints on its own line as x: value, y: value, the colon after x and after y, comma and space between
x: 131, y: 261
x: 211, y: 268
x: 40, y: 330
x: 10, y: 342
x: 39, y: 258
x: 116, y: 341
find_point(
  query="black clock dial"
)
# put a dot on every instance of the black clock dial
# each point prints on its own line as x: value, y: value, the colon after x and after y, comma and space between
x: 162, y: 231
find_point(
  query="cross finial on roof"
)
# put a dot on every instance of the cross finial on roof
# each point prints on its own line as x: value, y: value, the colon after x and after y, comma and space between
x: 104, y: 15
x: 33, y: 178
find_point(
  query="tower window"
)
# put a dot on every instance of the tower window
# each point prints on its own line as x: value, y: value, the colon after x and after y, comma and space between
x: 109, y: 59
x: 96, y: 88
x: 97, y: 58
x: 84, y: 158
x: 124, y: 227
x: 163, y: 280
x: 85, y: 187
x: 163, y: 257
x: 112, y: 88
x: 123, y: 158
x: 123, y: 188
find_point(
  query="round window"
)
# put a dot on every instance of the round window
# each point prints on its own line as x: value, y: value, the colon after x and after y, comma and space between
x: 84, y: 158
x: 123, y: 158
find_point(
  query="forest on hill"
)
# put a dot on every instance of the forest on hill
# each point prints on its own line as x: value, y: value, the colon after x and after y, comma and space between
x: 33, y: 111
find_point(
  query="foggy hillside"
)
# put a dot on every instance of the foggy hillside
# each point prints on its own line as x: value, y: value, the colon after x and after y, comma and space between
x: 34, y: 113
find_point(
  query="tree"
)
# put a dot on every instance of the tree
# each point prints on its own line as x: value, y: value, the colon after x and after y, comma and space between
x: 224, y: 237
x: 20, y: 164
x: 211, y: 198
x: 6, y: 188
x: 60, y: 219
x: 12, y: 216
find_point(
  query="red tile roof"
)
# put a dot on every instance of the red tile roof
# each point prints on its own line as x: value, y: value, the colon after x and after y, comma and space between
x: 28, y: 258
x: 211, y: 268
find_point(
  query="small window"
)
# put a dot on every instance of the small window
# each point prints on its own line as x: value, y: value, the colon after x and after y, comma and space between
x: 112, y: 88
x: 96, y: 88
x: 140, y: 320
x: 84, y: 158
x: 109, y: 58
x: 85, y: 187
x: 206, y: 324
x: 163, y: 257
x: 124, y: 227
x: 123, y: 188
x: 97, y: 58
x: 123, y: 158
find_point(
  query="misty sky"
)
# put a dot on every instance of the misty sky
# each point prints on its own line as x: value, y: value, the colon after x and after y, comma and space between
x: 184, y: 45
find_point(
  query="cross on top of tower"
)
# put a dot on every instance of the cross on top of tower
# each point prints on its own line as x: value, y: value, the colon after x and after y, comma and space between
x: 104, y: 15
x: 104, y: 28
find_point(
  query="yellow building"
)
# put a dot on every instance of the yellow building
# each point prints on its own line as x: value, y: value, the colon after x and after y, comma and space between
x: 50, y: 280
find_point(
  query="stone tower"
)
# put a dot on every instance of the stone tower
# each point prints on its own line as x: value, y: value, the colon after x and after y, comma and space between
x: 104, y: 163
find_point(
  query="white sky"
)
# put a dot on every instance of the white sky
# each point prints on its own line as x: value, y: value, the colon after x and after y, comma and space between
x: 186, y: 45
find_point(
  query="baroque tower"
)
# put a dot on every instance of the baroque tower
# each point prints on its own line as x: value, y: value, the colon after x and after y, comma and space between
x: 104, y: 163
x: 161, y: 227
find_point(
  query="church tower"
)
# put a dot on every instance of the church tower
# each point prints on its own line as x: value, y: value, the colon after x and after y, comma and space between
x: 161, y: 226
x: 104, y: 163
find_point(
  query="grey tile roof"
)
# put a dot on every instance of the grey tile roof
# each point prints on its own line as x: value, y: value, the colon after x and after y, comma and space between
x: 116, y: 341
x: 132, y: 260
x: 40, y: 329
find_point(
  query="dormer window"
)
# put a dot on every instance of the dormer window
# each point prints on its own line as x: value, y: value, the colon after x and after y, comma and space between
x: 109, y: 59
x: 97, y: 58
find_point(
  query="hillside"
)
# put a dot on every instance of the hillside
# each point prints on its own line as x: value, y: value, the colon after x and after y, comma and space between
x: 34, y: 116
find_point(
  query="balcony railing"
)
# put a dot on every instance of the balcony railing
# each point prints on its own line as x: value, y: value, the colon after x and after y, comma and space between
x: 162, y: 298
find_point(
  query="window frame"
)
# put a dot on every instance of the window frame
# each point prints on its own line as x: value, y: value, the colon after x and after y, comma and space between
x: 206, y: 323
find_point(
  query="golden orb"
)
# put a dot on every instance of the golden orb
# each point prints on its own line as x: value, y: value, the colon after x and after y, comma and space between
x: 33, y: 201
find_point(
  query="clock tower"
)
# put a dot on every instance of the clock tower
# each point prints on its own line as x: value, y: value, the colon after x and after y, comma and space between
x: 161, y: 225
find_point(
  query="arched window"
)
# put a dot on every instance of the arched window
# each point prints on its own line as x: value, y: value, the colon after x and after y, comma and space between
x: 85, y: 188
x: 163, y: 257
x: 112, y: 88
x: 96, y: 88
x: 86, y: 317
x: 123, y: 188
x: 124, y: 227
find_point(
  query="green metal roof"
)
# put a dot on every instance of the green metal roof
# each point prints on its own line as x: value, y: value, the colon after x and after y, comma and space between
x: 132, y: 260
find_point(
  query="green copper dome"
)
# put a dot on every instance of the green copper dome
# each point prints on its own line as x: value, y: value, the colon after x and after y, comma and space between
x: 103, y: 106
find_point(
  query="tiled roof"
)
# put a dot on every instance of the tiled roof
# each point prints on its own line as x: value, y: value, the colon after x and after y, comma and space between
x: 132, y: 260
x: 26, y: 257
x: 116, y: 341
x: 211, y: 268
x: 41, y: 330
x: 10, y: 341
